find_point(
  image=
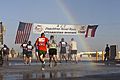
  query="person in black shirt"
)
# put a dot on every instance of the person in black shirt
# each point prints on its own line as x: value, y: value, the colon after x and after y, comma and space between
x: 106, y: 56
x: 29, y: 52
x: 63, y: 45
x: 23, y: 46
x: 5, y: 51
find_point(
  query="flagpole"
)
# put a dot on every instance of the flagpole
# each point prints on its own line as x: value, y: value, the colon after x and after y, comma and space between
x: 1, y: 33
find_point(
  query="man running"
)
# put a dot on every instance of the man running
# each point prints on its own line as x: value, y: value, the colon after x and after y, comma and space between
x: 5, y: 51
x: 42, y: 42
x: 73, y: 45
x: 24, y: 51
x: 29, y: 52
x: 52, y: 51
x: 63, y: 46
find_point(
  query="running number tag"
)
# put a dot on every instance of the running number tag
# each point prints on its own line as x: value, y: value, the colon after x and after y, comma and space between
x: 42, y: 41
x: 4, y: 48
x: 29, y: 47
x: 63, y: 44
x: 24, y: 45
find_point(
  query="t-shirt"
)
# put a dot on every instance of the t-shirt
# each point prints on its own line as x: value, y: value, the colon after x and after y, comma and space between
x: 29, y: 47
x: 63, y: 46
x: 52, y: 44
x: 107, y: 49
x: 5, y: 50
x: 24, y: 46
x: 73, y: 45
x: 41, y: 43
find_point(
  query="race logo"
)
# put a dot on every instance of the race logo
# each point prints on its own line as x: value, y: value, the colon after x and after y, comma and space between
x: 38, y: 28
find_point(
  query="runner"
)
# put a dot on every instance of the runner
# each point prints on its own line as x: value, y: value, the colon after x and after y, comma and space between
x: 36, y: 52
x: 73, y: 45
x: 42, y: 42
x: 63, y: 45
x: 29, y: 52
x: 5, y: 51
x: 23, y: 46
x: 52, y: 51
x: 69, y: 53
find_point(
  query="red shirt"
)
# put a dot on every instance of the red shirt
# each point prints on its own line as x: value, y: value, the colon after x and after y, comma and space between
x: 41, y: 43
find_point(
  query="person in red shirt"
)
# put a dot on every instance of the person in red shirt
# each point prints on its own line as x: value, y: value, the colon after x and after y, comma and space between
x: 42, y: 42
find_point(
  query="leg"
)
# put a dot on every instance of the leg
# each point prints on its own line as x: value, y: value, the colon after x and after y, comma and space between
x: 64, y: 56
x: 50, y: 60
x: 76, y: 59
x: 55, y: 61
x: 30, y: 60
x: 36, y: 54
x: 60, y: 57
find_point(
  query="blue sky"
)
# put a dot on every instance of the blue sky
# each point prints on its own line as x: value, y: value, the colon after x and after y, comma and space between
x: 105, y: 13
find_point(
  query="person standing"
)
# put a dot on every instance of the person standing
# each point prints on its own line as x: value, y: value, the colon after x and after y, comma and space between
x: 106, y: 56
x: 52, y: 51
x: 29, y: 52
x: 42, y: 42
x: 73, y: 45
x: 12, y: 52
x: 23, y: 46
x: 63, y: 45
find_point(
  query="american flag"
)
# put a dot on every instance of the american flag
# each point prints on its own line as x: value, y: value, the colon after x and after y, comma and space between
x: 23, y: 32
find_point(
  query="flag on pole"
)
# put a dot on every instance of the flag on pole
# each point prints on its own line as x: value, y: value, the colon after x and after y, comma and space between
x: 91, y: 29
x: 23, y: 32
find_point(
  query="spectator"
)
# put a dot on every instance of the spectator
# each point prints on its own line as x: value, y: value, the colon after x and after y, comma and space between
x: 12, y: 52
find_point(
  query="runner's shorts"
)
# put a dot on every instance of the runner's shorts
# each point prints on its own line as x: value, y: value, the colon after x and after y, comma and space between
x: 52, y: 52
x: 40, y: 52
x: 24, y: 52
x: 29, y: 54
x: 73, y: 51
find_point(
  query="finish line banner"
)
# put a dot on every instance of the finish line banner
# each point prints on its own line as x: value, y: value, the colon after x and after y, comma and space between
x: 59, y: 29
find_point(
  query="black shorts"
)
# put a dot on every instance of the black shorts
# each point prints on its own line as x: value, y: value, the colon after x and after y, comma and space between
x: 73, y: 51
x: 29, y: 54
x: 24, y: 52
x: 52, y: 51
x: 63, y: 50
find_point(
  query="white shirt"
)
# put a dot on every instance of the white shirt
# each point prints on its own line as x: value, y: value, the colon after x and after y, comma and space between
x: 73, y: 45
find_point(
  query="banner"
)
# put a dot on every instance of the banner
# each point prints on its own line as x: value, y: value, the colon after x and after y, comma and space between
x: 60, y: 29
x: 91, y: 29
